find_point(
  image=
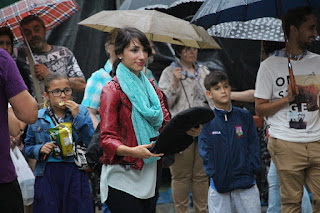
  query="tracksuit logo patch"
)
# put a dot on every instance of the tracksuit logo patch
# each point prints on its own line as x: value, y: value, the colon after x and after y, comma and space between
x: 239, y: 131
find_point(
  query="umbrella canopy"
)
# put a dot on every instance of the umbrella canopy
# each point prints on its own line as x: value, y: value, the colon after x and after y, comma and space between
x: 52, y: 12
x: 267, y: 29
x: 157, y: 26
x: 152, y: 4
x: 184, y: 9
x: 213, y: 12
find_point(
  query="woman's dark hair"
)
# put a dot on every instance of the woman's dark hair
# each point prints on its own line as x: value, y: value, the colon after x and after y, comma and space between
x: 178, y: 50
x: 296, y: 17
x: 8, y: 32
x: 214, y: 78
x: 123, y: 39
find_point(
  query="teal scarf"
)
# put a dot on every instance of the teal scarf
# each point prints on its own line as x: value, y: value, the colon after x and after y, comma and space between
x: 147, y: 114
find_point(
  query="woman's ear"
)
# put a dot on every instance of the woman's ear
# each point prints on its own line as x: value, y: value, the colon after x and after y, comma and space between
x: 119, y: 56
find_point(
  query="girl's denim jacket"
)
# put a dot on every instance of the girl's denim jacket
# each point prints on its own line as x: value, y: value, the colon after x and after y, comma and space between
x: 37, y: 135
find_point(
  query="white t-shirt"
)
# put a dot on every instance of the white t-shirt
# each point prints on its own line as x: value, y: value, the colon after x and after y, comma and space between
x: 299, y: 121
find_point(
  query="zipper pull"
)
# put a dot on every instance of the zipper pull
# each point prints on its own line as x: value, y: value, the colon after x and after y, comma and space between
x: 225, y: 117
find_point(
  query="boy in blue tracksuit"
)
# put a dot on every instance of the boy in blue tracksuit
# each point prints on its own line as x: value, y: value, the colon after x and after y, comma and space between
x: 230, y: 149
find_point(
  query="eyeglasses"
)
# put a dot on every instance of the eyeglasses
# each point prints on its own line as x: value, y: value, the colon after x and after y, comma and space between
x: 57, y: 92
x: 8, y: 43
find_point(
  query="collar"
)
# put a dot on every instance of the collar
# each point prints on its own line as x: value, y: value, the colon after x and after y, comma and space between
x: 283, y: 53
x: 42, y: 113
x: 222, y: 112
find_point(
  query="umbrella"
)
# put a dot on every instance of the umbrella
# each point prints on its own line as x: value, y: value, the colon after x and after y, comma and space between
x: 157, y: 26
x: 52, y: 12
x: 263, y: 29
x: 213, y: 12
x: 179, y: 8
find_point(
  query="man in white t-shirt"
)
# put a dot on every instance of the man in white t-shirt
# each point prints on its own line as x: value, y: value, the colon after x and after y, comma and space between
x: 294, y: 142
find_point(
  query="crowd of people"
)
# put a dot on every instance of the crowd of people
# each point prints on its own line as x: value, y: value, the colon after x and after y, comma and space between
x: 128, y: 106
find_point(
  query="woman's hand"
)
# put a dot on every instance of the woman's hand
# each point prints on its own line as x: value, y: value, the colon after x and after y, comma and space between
x: 195, y: 131
x: 177, y: 75
x: 47, y: 148
x: 73, y: 106
x: 140, y: 151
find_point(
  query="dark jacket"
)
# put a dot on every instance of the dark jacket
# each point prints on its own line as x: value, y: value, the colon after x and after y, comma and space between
x: 116, y: 124
x: 230, y: 148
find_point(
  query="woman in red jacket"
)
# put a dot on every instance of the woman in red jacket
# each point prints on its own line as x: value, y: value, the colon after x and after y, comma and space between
x: 132, y: 111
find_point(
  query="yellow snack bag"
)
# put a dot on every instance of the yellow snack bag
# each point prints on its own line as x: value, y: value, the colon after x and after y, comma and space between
x: 62, y: 136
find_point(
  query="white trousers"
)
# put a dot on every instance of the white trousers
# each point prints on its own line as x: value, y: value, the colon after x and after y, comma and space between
x: 239, y: 200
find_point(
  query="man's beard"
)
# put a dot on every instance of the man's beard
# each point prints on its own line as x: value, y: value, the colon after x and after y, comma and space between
x: 305, y: 45
x: 39, y: 46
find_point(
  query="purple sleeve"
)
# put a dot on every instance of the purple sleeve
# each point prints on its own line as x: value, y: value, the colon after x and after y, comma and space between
x: 11, y: 80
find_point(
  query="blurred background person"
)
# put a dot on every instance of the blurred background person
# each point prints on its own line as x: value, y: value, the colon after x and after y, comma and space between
x: 182, y: 83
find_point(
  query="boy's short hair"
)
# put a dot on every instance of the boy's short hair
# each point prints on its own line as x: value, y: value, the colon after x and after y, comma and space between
x: 214, y: 78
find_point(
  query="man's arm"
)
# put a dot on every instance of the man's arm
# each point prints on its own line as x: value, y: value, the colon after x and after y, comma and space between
x: 78, y: 84
x: 14, y: 125
x: 245, y: 96
x: 25, y: 107
x: 265, y: 108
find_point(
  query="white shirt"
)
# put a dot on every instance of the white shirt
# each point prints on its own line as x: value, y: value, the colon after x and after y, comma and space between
x: 299, y: 121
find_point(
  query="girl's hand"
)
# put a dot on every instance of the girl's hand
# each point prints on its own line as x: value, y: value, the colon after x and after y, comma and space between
x: 142, y: 151
x: 195, y: 131
x: 47, y: 148
x: 73, y: 106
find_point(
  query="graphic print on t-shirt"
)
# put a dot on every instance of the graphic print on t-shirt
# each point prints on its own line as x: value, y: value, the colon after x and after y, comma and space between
x: 306, y: 101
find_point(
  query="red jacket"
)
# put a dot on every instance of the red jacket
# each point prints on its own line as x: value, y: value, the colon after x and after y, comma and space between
x: 116, y: 124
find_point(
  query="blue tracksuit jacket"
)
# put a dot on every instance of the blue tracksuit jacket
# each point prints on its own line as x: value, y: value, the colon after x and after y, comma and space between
x: 230, y: 149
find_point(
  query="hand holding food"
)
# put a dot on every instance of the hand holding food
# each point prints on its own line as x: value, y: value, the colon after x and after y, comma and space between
x: 73, y: 106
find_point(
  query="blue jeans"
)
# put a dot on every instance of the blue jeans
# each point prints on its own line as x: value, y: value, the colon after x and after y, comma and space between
x: 274, y: 202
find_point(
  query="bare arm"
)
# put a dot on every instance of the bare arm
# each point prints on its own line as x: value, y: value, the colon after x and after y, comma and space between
x: 25, y: 107
x: 14, y: 125
x: 140, y: 151
x: 265, y: 108
x: 78, y: 84
x: 245, y: 96
x: 94, y: 119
